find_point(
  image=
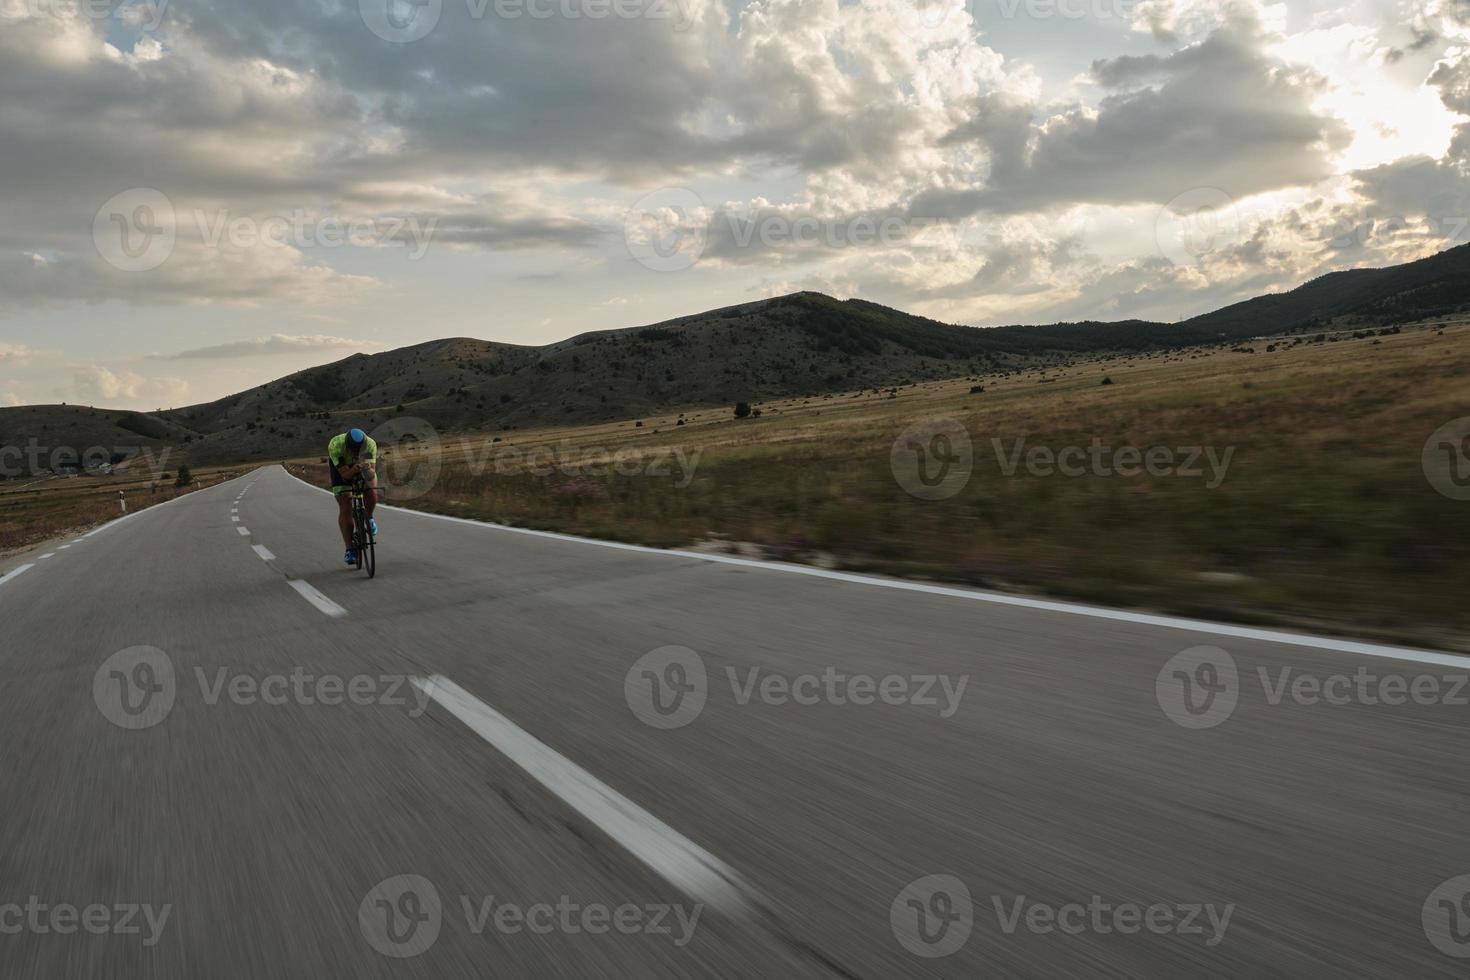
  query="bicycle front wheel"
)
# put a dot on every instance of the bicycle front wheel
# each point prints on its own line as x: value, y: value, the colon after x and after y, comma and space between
x: 359, y: 532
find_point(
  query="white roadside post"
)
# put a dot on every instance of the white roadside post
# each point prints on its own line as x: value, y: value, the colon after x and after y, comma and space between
x: 122, y: 501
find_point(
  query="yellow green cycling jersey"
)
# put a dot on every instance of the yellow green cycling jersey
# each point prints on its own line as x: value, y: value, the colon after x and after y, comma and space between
x: 337, y: 455
x: 337, y: 451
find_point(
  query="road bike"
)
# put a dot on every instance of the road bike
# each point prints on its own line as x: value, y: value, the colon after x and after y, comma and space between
x: 363, y: 541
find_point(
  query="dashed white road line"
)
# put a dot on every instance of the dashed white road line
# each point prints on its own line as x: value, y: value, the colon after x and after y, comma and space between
x: 49, y: 554
x: 244, y: 531
x: 314, y: 597
x: 16, y: 572
x: 149, y: 510
x: 63, y: 547
x: 674, y: 857
x: 235, y: 518
x: 263, y: 552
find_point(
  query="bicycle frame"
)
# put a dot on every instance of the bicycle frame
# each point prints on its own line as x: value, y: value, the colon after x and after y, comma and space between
x: 363, y: 541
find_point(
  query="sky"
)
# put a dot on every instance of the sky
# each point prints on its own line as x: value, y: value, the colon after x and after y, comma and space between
x: 202, y: 195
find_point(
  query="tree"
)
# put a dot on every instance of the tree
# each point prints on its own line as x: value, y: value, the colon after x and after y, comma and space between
x: 185, y: 477
x: 742, y: 410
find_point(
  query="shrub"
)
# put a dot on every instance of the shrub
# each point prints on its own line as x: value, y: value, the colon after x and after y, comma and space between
x: 742, y: 410
x: 185, y: 477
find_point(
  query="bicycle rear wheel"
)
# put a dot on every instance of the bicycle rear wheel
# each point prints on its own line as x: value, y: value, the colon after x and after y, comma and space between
x: 370, y: 553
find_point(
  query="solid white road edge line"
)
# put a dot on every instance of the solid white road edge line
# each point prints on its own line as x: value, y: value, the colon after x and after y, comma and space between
x: 1406, y: 654
x: 263, y: 552
x: 16, y: 572
x: 314, y: 597
x: 674, y: 857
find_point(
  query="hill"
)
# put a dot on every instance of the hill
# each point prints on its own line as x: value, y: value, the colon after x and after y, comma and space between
x: 68, y: 438
x: 1434, y: 286
x: 797, y: 345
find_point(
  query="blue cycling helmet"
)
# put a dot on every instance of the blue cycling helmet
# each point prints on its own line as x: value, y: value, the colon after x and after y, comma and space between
x: 356, y: 437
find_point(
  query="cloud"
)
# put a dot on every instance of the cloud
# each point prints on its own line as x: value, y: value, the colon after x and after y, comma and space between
x: 17, y: 354
x: 278, y: 343
x: 95, y: 383
x: 535, y: 135
x: 1222, y: 113
x: 10, y: 399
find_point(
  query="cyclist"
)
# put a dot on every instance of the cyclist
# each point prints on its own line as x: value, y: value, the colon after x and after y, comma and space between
x: 349, y: 455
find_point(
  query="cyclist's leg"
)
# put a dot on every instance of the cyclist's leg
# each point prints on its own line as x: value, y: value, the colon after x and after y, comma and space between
x: 340, y: 489
x: 344, y: 518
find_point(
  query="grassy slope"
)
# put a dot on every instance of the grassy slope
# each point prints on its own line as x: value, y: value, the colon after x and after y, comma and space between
x: 1325, y: 516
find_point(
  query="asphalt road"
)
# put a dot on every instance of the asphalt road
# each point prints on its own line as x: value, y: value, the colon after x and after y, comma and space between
x: 213, y: 772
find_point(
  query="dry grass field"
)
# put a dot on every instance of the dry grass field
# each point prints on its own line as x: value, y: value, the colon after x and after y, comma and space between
x: 1292, y: 491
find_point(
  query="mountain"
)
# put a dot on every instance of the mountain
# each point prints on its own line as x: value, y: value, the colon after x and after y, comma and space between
x: 1433, y: 286
x: 801, y: 344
